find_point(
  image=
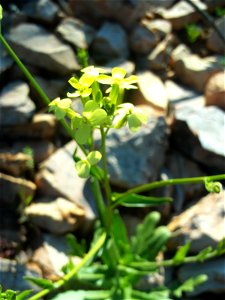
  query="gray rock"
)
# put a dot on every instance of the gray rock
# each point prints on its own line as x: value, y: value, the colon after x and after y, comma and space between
x: 110, y: 42
x: 5, y: 60
x: 14, y: 164
x: 41, y: 149
x: 12, y: 187
x: 40, y: 48
x: 195, y: 71
x: 182, y: 13
x: 215, y: 271
x: 75, y: 32
x: 203, y: 223
x: 143, y: 39
x: 51, y: 256
x: 160, y: 27
x: 199, y: 134
x: 181, y: 167
x: 135, y: 159
x: 42, y: 10
x: 130, y: 11
x: 12, y: 276
x: 15, y: 105
x: 214, y: 42
x: 59, y: 216
x: 42, y: 126
x: 57, y: 179
x: 151, y: 91
x: 159, y: 57
x: 180, y: 96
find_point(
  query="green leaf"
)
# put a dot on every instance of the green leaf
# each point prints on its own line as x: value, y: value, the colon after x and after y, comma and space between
x: 83, y: 295
x: 94, y: 157
x: 83, y: 168
x: 91, y: 106
x: 59, y: 113
x: 144, y: 231
x: 114, y: 93
x: 155, y: 295
x: 220, y: 249
x: 23, y: 295
x: 181, y: 253
x: 75, y: 248
x: 134, y: 123
x: 1, y: 13
x: 135, y: 200
x: 96, y: 117
x: 202, y: 255
x: 83, y: 133
x: 41, y: 282
x: 189, y: 285
x: 76, y: 122
x: 9, y: 295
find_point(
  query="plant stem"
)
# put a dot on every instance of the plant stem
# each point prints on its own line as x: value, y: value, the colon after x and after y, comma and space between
x: 106, y: 183
x: 99, y: 200
x: 92, y: 252
x: 169, y: 262
x: 162, y: 183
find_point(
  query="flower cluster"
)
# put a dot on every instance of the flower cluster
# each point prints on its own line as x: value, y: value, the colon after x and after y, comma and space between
x: 100, y: 110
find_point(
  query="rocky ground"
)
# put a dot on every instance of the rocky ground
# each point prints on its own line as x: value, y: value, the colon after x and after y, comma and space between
x: 181, y: 87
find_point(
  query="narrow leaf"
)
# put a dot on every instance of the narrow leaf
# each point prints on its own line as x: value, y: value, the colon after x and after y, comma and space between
x: 41, y: 282
x: 23, y: 295
x: 135, y: 200
x: 181, y: 253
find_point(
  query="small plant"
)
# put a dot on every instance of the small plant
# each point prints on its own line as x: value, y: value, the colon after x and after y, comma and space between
x: 113, y: 264
x: 193, y: 32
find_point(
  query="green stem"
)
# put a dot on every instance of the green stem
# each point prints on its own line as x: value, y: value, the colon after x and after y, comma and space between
x: 162, y: 183
x: 99, y: 200
x: 106, y: 183
x: 169, y: 262
x: 75, y: 270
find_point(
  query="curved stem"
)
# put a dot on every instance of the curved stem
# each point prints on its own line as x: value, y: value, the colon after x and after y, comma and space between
x: 92, y: 252
x: 99, y: 200
x: 162, y: 183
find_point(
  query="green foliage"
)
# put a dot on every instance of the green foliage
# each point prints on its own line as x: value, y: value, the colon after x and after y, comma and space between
x: 213, y: 186
x: 193, y: 32
x: 189, y: 285
x: 29, y: 152
x: 181, y: 253
x: 220, y: 11
x: 1, y: 13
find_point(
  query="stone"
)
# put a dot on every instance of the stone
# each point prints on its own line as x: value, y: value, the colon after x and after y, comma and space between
x: 143, y: 39
x: 59, y: 216
x: 12, y: 276
x: 159, y: 57
x: 14, y: 187
x: 159, y: 26
x: 180, y: 166
x: 57, y: 179
x: 42, y: 126
x: 40, y: 149
x: 215, y: 90
x: 151, y: 91
x: 5, y: 59
x: 51, y: 256
x: 14, y: 164
x: 180, y: 96
x: 195, y: 71
x: 203, y: 223
x: 214, y: 42
x: 75, y: 32
x: 40, y: 48
x: 135, y: 159
x: 15, y: 105
x: 199, y: 134
x: 41, y: 10
x: 215, y: 271
x: 110, y: 42
x: 134, y: 10
x: 53, y: 87
x: 182, y: 14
